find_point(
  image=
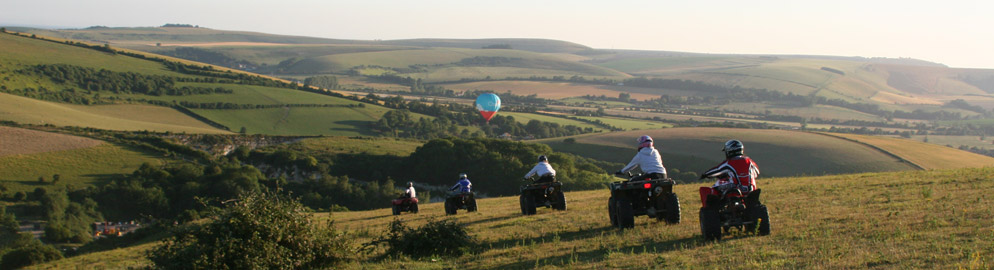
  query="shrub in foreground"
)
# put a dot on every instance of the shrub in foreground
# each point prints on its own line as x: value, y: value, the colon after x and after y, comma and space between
x: 256, y: 231
x: 434, y: 238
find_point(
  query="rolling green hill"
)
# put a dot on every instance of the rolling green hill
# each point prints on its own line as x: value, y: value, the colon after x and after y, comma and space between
x: 21, y: 69
x: 919, y: 219
x: 130, y: 117
x: 80, y: 166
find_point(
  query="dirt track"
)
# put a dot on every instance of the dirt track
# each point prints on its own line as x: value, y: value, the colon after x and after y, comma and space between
x: 15, y: 141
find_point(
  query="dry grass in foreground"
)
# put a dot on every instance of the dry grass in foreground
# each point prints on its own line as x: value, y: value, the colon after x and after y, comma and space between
x: 918, y: 219
x: 915, y: 219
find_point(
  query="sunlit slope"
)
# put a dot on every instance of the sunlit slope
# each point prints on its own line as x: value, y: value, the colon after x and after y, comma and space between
x: 317, y: 114
x: 851, y: 79
x: 916, y: 219
x: 926, y: 155
x: 78, y: 167
x: 113, y: 117
x: 430, y: 57
x: 778, y: 152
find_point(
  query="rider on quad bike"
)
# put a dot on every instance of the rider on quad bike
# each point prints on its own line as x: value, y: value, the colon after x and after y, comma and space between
x: 650, y: 193
x: 408, y: 201
x: 545, y: 191
x: 733, y: 200
x: 460, y: 196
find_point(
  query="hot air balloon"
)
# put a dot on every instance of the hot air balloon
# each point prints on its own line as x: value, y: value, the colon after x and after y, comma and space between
x: 488, y: 104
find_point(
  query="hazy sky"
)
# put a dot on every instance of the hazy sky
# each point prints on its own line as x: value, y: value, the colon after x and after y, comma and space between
x: 953, y: 32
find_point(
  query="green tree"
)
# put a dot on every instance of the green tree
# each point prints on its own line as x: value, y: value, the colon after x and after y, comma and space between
x: 257, y: 231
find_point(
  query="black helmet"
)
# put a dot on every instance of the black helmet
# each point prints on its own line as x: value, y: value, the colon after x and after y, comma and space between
x: 462, y: 175
x: 543, y: 158
x: 733, y: 148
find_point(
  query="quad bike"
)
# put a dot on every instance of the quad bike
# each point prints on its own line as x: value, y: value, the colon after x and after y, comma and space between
x: 405, y: 204
x: 723, y: 211
x: 548, y: 194
x: 641, y: 195
x: 460, y: 200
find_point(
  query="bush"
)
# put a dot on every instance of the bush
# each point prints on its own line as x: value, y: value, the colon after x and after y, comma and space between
x: 256, y: 231
x: 434, y: 238
x: 28, y: 255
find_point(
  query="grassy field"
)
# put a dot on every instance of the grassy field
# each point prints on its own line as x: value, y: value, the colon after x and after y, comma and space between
x: 552, y: 90
x: 353, y: 145
x: 113, y: 117
x: 628, y: 124
x: 817, y: 111
x: 300, y: 121
x: 525, y: 117
x: 928, y: 156
x: 250, y: 94
x: 338, y: 63
x: 778, y: 152
x: 20, y: 141
x: 83, y: 166
x: 902, y: 220
x: 956, y: 141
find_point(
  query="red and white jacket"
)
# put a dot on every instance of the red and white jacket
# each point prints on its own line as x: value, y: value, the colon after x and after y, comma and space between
x: 739, y: 171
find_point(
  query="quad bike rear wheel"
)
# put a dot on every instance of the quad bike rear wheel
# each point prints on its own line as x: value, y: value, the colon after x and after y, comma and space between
x: 759, y: 214
x: 529, y: 205
x: 471, y: 204
x: 710, y: 224
x: 626, y: 215
x: 560, y: 203
x: 521, y: 202
x: 450, y: 209
x: 612, y: 211
x: 672, y: 203
x: 414, y: 208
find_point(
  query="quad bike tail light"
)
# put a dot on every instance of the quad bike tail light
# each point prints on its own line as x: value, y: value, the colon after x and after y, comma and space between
x: 647, y: 185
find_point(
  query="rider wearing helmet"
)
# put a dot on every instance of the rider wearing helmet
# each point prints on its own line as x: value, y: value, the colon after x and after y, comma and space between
x: 410, y: 193
x: 648, y: 159
x: 544, y: 171
x: 737, y: 171
x: 463, y: 185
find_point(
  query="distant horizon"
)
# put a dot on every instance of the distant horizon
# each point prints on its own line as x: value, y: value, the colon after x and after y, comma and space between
x: 951, y: 33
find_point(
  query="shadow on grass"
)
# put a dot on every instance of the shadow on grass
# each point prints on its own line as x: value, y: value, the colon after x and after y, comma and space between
x: 364, y: 128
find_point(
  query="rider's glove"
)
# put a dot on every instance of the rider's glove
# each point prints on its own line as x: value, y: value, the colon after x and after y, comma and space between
x: 619, y: 173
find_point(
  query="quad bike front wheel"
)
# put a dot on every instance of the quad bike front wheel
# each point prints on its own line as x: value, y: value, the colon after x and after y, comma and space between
x: 396, y: 210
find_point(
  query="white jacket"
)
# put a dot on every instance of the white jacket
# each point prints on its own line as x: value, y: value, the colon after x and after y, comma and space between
x: 648, y: 159
x: 541, y: 169
x: 410, y: 191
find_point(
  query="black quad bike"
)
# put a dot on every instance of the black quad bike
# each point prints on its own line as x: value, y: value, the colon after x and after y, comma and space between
x: 548, y: 194
x: 641, y: 195
x: 404, y: 204
x: 731, y: 209
x: 460, y: 200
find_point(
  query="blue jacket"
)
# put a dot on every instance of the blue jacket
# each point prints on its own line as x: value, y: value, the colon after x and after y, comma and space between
x: 462, y: 186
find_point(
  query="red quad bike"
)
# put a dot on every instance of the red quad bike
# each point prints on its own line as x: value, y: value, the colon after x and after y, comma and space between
x: 641, y: 195
x: 405, y: 204
x: 460, y: 200
x: 732, y: 209
x: 548, y: 194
